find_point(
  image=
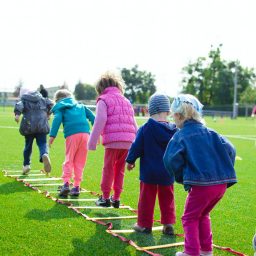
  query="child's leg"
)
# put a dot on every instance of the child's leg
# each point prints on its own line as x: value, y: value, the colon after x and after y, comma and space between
x: 119, y: 169
x: 42, y: 144
x: 146, y: 204
x: 28, y: 149
x: 70, y: 152
x: 80, y: 157
x: 167, y: 204
x: 108, y: 172
x: 198, y: 199
x: 205, y: 233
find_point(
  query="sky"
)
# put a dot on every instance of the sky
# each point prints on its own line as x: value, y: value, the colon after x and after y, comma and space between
x: 50, y: 42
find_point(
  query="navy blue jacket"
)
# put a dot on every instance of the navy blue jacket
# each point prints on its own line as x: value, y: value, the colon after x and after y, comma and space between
x: 197, y: 155
x: 150, y: 144
x: 35, y: 110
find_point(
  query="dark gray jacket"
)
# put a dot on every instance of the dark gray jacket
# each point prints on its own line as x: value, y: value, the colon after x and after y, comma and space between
x: 35, y: 110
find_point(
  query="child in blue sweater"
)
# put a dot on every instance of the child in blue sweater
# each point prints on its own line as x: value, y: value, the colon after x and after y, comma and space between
x: 150, y: 144
x: 73, y: 116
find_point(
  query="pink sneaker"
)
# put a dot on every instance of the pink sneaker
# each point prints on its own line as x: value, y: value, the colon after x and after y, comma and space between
x: 181, y: 254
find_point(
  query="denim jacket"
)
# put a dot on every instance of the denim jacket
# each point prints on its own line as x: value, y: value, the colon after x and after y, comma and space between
x: 197, y: 155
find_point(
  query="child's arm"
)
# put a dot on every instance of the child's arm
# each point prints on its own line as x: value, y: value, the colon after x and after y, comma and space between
x: 57, y: 120
x: 99, y: 124
x: 136, y: 150
x: 174, y: 161
x: 18, y: 109
x: 229, y: 147
x: 90, y: 116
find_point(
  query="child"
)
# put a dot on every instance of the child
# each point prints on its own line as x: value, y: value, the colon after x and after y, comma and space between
x: 115, y: 122
x: 73, y: 116
x: 150, y: 144
x: 203, y: 161
x: 34, y: 125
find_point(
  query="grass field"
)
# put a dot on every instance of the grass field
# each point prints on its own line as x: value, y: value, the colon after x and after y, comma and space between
x: 31, y: 224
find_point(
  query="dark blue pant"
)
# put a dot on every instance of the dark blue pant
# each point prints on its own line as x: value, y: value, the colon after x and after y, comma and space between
x: 41, y: 143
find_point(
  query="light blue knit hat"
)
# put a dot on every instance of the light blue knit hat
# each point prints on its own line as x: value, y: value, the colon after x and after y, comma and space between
x: 186, y: 98
x: 158, y: 102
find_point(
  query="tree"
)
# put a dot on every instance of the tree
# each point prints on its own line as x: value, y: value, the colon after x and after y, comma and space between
x: 211, y: 79
x: 248, y: 96
x: 139, y: 84
x: 85, y: 92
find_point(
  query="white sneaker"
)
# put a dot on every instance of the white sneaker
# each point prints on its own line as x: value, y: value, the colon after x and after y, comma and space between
x: 47, y: 163
x: 26, y: 169
x: 204, y: 253
x: 181, y: 254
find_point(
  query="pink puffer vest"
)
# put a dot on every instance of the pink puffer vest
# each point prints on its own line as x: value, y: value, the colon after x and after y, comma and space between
x: 120, y: 125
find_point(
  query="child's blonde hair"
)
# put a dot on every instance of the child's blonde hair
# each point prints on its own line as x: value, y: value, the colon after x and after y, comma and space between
x: 61, y: 94
x: 110, y: 79
x: 188, y: 106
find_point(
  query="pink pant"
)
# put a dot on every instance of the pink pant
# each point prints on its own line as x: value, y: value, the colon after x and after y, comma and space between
x: 75, y: 159
x: 147, y: 200
x: 196, y: 217
x: 113, y: 172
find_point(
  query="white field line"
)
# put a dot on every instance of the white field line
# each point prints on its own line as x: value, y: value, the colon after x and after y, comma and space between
x: 19, y: 175
x: 79, y: 199
x: 115, y: 217
x: 132, y: 230
x: 47, y: 184
x: 40, y: 179
x: 16, y: 127
x: 32, y: 171
x: 242, y: 137
x: 97, y: 207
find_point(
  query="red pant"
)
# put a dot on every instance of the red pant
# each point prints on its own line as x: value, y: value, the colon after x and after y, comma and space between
x: 75, y: 159
x: 113, y: 172
x: 147, y: 201
x: 196, y: 218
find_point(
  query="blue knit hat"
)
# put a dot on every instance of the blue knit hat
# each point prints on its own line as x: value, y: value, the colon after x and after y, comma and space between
x: 158, y: 102
x: 186, y: 98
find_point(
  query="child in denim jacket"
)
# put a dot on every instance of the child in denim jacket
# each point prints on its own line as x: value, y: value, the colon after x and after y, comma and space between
x: 203, y: 161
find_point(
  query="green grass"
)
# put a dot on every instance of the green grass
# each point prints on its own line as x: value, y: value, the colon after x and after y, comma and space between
x: 31, y: 224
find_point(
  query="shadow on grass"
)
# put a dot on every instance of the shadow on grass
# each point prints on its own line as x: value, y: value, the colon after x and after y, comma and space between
x: 56, y: 212
x: 12, y: 187
x: 100, y: 243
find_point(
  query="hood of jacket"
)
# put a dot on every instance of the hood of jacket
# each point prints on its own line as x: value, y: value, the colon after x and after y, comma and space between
x: 32, y: 96
x: 161, y: 131
x: 64, y: 103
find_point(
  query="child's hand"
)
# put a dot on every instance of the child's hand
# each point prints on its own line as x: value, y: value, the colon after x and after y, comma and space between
x: 17, y: 118
x: 130, y: 166
x: 51, y: 140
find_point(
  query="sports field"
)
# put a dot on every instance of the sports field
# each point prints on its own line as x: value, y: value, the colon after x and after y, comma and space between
x: 31, y: 224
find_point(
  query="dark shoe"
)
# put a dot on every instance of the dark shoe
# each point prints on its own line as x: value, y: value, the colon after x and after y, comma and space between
x: 168, y: 229
x: 103, y: 202
x: 114, y: 203
x: 64, y: 191
x: 75, y: 191
x: 140, y: 229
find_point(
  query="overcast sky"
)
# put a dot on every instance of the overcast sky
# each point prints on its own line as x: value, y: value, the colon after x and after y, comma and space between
x: 55, y: 41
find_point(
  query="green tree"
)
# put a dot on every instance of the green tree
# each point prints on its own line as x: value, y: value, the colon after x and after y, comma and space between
x: 248, y: 96
x: 139, y: 84
x: 211, y: 79
x: 85, y: 92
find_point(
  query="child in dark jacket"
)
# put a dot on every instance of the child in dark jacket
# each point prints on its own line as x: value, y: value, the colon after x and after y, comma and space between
x: 150, y: 144
x: 34, y: 125
x: 203, y: 161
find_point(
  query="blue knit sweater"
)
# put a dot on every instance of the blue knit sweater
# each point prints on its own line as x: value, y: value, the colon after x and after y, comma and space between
x: 73, y: 116
x: 150, y: 144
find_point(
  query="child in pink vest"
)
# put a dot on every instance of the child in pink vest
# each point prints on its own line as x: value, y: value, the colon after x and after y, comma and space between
x: 116, y: 124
